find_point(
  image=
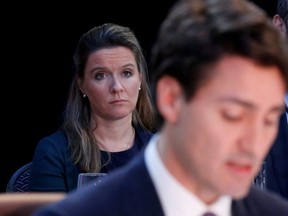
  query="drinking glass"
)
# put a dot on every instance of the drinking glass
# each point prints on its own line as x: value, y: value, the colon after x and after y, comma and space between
x: 260, y: 179
x: 85, y: 179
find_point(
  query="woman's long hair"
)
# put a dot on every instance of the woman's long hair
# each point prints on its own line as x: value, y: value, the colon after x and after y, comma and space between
x: 77, y: 115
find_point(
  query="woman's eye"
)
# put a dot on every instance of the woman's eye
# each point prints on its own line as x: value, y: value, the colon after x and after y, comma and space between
x: 100, y: 76
x: 127, y: 73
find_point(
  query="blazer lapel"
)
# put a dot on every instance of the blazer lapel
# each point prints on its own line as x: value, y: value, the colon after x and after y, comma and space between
x: 242, y: 208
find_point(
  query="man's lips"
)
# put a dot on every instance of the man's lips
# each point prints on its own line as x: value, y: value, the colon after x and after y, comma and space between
x: 240, y: 169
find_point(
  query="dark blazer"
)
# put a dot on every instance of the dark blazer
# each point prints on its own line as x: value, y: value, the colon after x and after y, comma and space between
x: 277, y: 161
x: 129, y: 191
x: 54, y: 171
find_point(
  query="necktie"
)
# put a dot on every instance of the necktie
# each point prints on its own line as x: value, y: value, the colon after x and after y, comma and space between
x: 209, y: 214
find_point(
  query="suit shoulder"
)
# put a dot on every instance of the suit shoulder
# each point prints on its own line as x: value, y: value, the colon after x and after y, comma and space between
x: 263, y: 202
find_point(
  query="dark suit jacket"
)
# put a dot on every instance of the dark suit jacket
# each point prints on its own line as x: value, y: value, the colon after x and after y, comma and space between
x: 277, y: 161
x: 129, y: 191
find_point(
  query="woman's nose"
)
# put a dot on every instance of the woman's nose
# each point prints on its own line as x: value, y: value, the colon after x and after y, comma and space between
x: 116, y: 85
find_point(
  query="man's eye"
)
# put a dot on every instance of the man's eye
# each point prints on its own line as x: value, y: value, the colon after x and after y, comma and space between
x: 269, y: 122
x: 272, y: 121
x: 232, y: 116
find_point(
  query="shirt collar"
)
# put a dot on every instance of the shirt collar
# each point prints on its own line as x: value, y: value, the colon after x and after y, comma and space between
x: 176, y: 199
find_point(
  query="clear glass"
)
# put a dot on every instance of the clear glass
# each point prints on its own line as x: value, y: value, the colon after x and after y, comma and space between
x: 260, y: 179
x: 85, y: 179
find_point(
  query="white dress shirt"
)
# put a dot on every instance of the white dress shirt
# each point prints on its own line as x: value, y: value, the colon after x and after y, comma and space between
x: 175, y: 199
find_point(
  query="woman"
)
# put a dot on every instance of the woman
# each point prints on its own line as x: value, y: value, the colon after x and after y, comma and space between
x: 109, y: 112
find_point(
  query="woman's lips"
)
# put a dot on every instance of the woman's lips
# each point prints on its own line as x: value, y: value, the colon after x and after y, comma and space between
x: 118, y: 101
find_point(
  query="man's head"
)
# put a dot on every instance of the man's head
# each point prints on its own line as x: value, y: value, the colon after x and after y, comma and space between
x: 220, y: 76
x: 280, y: 19
x: 194, y: 35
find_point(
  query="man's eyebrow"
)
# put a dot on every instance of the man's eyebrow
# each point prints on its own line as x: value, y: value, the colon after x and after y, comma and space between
x: 249, y: 105
x: 237, y: 101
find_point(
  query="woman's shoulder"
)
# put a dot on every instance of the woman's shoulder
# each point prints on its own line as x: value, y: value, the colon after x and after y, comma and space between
x: 58, y: 135
x: 58, y: 140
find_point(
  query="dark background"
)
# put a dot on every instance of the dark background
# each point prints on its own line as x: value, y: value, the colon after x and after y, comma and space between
x: 37, y: 45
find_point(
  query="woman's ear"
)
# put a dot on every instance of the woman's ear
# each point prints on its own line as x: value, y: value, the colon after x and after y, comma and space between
x: 80, y: 85
x: 279, y: 23
x: 169, y: 98
x: 141, y: 79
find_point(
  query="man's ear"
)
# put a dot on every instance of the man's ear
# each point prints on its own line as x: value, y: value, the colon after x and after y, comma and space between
x: 279, y: 23
x: 169, y: 98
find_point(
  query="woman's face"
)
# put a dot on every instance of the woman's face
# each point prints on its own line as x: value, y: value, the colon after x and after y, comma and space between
x: 111, y: 82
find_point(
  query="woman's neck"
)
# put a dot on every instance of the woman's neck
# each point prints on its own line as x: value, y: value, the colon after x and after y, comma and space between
x: 114, y: 136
